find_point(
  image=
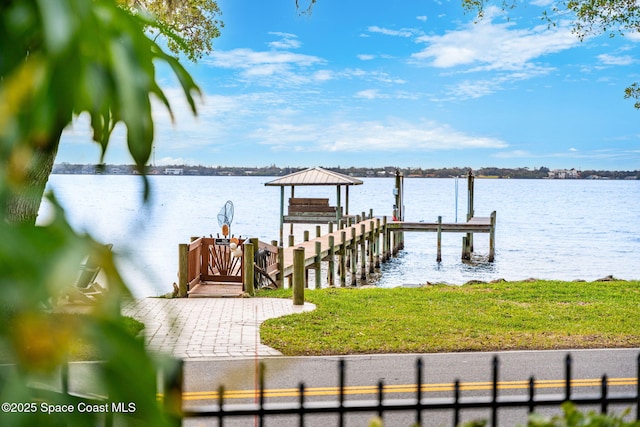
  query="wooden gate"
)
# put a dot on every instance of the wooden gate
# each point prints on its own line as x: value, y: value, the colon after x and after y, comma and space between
x: 212, y: 260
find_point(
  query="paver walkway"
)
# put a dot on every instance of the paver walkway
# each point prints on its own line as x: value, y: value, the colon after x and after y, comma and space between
x: 209, y: 327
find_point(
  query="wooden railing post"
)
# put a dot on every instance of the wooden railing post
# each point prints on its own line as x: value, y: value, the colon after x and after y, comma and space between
x: 386, y: 244
x: 377, y: 243
x: 298, y: 276
x: 363, y: 252
x: 439, y: 249
x: 248, y: 252
x: 280, y: 275
x: 183, y: 269
x: 342, y: 259
x: 492, y: 237
x: 318, y: 247
x: 331, y: 266
x: 354, y: 256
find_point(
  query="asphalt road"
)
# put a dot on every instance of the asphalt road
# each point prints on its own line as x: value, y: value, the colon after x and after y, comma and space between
x: 398, y: 373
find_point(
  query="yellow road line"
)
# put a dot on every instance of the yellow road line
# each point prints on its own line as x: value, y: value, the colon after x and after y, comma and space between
x: 403, y: 388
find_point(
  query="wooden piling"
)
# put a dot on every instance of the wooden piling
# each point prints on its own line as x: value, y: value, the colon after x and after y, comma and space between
x: 439, y: 249
x: 331, y: 267
x: 377, y: 243
x: 363, y: 253
x: 342, y: 259
x: 298, y: 276
x: 371, y: 247
x: 183, y: 269
x: 248, y: 252
x: 466, y: 248
x: 492, y: 237
x: 386, y: 237
x: 318, y: 247
x: 354, y: 256
x: 280, y: 275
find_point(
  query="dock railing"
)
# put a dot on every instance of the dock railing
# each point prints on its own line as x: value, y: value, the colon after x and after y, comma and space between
x: 210, y: 260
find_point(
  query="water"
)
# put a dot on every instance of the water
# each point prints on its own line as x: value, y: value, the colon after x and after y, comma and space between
x: 559, y: 229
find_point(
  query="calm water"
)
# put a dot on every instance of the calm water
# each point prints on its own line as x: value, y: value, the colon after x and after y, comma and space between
x: 545, y: 229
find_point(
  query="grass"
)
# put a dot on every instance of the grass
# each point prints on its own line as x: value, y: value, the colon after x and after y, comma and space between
x: 478, y: 317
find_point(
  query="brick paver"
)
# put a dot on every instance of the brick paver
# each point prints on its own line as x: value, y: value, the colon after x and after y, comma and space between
x: 209, y: 327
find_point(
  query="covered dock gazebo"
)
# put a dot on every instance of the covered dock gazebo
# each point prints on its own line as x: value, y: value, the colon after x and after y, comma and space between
x: 313, y: 210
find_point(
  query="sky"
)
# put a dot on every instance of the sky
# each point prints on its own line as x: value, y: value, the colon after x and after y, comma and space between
x: 376, y: 83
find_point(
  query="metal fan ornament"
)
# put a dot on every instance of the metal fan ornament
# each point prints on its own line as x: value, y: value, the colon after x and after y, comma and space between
x: 225, y: 218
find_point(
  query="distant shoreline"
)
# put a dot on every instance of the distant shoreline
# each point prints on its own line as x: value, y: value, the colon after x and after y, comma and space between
x: 380, y: 172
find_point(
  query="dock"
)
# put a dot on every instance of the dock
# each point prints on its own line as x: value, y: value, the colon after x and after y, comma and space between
x: 363, y: 246
x: 349, y: 253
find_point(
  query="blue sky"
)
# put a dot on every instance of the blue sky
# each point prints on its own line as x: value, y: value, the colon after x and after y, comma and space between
x: 410, y: 83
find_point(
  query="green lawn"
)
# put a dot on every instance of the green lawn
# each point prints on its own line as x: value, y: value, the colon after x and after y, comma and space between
x: 479, y: 317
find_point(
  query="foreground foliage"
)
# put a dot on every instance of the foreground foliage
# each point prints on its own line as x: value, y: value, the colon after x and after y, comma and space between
x: 60, y: 59
x: 479, y: 317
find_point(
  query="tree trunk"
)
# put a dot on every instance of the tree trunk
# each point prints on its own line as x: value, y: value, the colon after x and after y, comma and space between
x: 24, y: 204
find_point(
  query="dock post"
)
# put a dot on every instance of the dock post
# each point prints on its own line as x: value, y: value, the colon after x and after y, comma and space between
x: 377, y: 243
x: 492, y: 237
x: 298, y: 276
x: 371, y: 246
x: 248, y: 251
x: 363, y: 252
x: 331, y: 268
x: 306, y: 235
x: 318, y: 264
x: 371, y: 213
x: 342, y: 259
x: 280, y: 275
x: 354, y: 256
x: 291, y: 240
x: 183, y: 269
x: 318, y: 231
x: 466, y: 248
x: 439, y: 254
x: 385, y: 240
x: 470, y: 208
x: 330, y: 225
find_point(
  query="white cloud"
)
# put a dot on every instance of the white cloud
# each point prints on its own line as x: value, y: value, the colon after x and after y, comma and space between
x: 404, y: 32
x: 542, y: 3
x: 247, y: 58
x: 365, y: 57
x: 493, y: 46
x: 369, y: 94
x: 270, y: 68
x: 354, y: 136
x: 422, y: 18
x: 608, y: 59
x: 471, y: 89
x: 288, y: 41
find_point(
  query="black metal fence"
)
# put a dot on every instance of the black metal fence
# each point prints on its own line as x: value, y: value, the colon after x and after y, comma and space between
x: 418, y: 404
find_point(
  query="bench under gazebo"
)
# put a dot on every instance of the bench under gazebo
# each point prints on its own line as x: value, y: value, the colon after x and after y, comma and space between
x: 313, y: 210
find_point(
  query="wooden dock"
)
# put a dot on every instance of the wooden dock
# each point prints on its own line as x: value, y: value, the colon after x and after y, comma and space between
x: 359, y: 248
x: 216, y: 290
x: 353, y: 248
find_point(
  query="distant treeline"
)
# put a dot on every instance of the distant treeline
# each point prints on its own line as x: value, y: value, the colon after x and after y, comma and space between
x: 388, y: 171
